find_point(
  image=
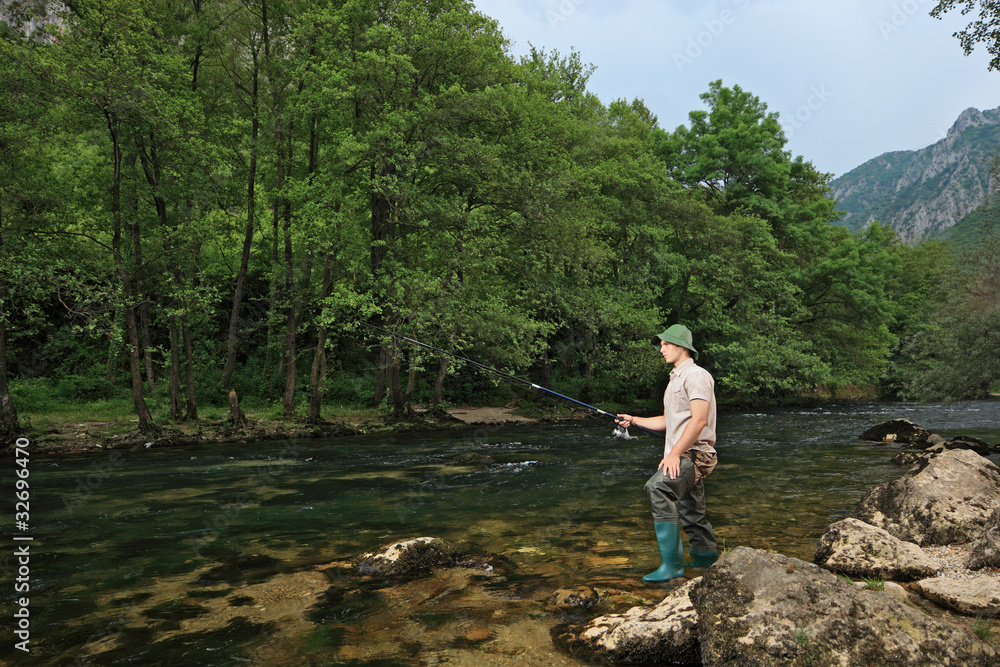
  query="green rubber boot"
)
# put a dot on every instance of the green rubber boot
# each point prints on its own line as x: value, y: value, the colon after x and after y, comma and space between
x: 702, y: 558
x: 668, y: 539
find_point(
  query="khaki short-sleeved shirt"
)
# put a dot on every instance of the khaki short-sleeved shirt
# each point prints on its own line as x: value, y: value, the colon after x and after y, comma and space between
x: 689, y: 381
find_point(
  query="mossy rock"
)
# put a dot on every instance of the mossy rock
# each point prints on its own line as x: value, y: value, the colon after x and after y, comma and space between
x: 421, y: 553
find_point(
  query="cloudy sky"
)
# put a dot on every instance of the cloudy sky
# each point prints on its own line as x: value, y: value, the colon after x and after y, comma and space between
x: 851, y: 79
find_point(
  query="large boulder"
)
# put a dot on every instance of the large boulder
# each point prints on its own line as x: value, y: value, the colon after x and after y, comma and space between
x: 942, y: 500
x: 899, y: 431
x: 666, y: 633
x: 971, y: 597
x: 985, y: 549
x: 760, y: 608
x: 858, y: 549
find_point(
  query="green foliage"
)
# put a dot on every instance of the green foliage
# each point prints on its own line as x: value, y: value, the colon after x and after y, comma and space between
x: 399, y: 167
x: 954, y: 353
x: 983, y: 30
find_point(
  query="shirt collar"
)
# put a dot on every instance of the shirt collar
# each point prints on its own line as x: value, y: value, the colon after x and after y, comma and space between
x: 681, y: 366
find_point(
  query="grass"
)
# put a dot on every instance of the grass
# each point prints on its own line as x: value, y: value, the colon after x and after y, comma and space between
x: 845, y: 579
x: 874, y: 584
x: 983, y: 628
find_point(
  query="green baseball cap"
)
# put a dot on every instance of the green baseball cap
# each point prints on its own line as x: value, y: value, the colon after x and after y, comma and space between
x: 678, y: 334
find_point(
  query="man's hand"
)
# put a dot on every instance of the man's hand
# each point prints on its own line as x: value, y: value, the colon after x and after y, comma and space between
x: 671, y: 464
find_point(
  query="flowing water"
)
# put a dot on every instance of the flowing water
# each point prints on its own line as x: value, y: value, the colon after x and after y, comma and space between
x: 196, y: 555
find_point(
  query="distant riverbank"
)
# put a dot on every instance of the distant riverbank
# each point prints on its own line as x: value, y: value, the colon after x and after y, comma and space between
x: 84, y: 436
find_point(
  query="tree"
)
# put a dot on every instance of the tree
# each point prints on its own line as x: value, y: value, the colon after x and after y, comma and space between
x: 735, y: 151
x: 984, y: 30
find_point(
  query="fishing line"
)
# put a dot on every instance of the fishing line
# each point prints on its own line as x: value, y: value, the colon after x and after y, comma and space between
x: 619, y: 432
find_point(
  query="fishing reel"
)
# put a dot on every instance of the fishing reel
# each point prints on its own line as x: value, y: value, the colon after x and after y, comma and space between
x: 623, y: 434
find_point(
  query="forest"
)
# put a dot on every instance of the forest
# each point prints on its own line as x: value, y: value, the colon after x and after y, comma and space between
x: 216, y: 195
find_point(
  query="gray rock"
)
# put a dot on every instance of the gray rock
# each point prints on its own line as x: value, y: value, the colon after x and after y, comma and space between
x: 942, y: 500
x: 985, y: 549
x: 971, y: 597
x: 663, y: 634
x: 899, y: 431
x: 858, y: 549
x: 399, y: 557
x: 759, y: 608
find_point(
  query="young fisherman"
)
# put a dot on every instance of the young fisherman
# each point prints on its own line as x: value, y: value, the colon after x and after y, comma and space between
x: 676, y: 491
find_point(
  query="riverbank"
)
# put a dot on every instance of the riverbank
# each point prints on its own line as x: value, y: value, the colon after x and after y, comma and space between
x: 87, y: 436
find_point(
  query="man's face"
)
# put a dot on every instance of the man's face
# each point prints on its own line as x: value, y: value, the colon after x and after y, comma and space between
x: 671, y: 353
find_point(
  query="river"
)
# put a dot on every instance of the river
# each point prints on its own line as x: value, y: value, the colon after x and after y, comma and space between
x: 130, y: 546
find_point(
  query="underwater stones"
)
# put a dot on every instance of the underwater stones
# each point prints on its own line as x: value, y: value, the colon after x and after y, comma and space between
x: 760, y: 608
x: 580, y: 598
x: 472, y: 459
x: 420, y: 553
x: 942, y: 500
x: 900, y: 431
x: 985, y: 549
x: 858, y: 549
x: 662, y: 634
x: 968, y: 597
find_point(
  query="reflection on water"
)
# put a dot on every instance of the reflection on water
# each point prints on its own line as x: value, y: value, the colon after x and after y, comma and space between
x: 135, y: 549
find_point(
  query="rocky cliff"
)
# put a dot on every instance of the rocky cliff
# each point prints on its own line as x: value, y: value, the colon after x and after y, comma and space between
x: 924, y: 192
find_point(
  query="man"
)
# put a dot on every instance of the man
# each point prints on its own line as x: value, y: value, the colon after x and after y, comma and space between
x: 676, y: 491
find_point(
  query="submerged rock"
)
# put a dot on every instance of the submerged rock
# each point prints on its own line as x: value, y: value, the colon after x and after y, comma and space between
x: 420, y: 553
x: 969, y: 597
x: 985, y: 549
x: 664, y: 634
x: 858, y: 549
x: 900, y: 431
x: 942, y: 500
x: 759, y: 608
x: 575, y: 599
x: 472, y: 459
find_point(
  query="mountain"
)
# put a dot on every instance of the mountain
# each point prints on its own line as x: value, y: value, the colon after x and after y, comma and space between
x: 922, y: 193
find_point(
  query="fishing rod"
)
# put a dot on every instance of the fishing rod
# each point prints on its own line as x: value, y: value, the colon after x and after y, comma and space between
x: 512, y: 378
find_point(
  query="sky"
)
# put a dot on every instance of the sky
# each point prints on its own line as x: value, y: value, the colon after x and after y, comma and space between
x: 851, y: 79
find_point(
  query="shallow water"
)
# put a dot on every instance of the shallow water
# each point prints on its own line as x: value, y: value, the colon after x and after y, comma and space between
x: 131, y: 548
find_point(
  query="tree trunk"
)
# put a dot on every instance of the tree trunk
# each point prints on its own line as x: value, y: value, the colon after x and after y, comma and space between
x: 176, y: 414
x: 291, y: 311
x: 380, y: 374
x: 439, y: 381
x: 241, y: 276
x: 317, y: 374
x: 316, y: 378
x: 124, y: 273
x: 192, y: 405
x: 236, y: 416
x: 411, y: 383
x: 10, y: 426
x: 393, y: 381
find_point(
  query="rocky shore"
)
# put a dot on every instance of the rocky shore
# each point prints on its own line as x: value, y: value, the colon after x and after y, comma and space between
x: 912, y: 579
